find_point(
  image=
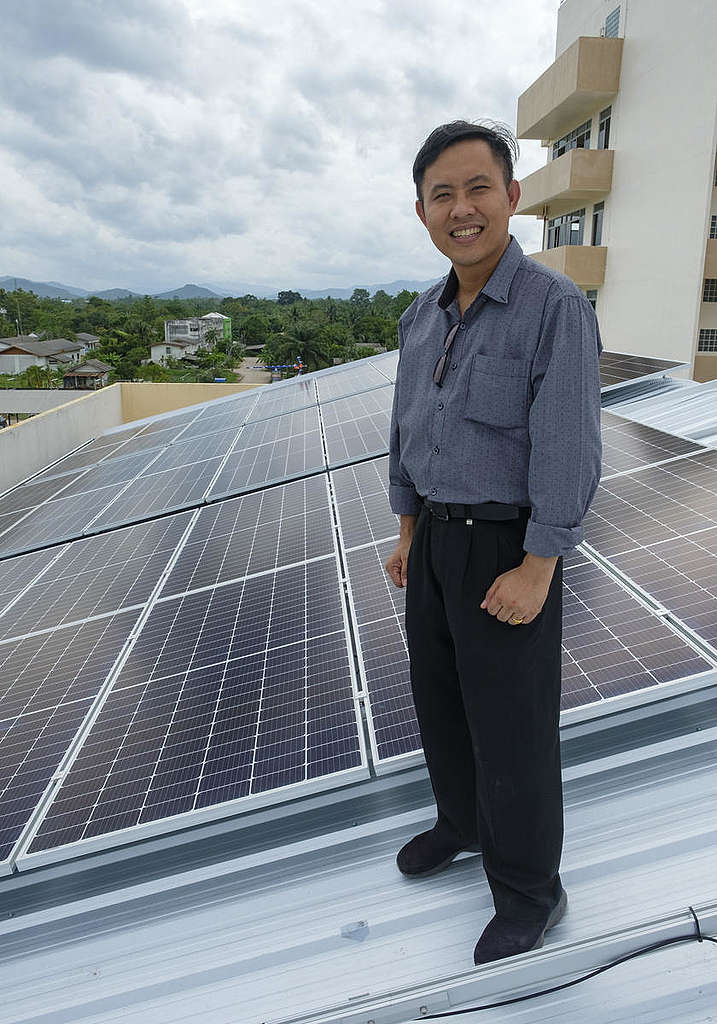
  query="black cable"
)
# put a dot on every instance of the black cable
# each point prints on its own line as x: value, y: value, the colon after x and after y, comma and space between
x: 697, y: 937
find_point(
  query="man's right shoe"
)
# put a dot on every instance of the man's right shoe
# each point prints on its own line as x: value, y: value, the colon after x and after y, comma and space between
x: 429, y: 853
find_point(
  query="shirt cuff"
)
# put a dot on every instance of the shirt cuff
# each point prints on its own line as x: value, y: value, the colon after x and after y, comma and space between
x: 403, y: 500
x: 549, y: 541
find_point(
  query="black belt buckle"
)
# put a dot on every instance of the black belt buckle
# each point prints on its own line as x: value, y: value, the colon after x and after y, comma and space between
x: 438, y: 509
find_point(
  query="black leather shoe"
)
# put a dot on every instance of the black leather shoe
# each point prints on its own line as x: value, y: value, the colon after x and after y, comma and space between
x: 503, y: 937
x: 429, y: 853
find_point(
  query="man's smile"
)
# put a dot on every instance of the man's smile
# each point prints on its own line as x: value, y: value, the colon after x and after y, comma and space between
x: 466, y: 232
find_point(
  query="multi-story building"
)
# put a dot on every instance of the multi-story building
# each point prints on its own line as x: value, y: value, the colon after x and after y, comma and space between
x: 199, y: 330
x: 628, y: 196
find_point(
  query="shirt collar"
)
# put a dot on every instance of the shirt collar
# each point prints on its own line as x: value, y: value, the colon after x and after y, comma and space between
x: 498, y: 284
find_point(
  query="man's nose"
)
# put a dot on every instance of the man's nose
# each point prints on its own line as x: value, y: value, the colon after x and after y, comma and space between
x: 463, y: 206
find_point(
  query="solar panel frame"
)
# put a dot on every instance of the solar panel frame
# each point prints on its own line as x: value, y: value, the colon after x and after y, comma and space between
x: 616, y: 368
x: 352, y: 381
x: 363, y: 436
x: 135, y: 680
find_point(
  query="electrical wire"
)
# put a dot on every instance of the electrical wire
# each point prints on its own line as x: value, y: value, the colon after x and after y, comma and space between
x: 697, y: 936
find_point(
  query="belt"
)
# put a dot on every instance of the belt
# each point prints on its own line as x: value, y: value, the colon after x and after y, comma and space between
x: 485, y: 510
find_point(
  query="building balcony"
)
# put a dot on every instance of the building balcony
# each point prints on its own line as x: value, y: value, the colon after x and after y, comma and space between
x: 711, y: 258
x: 577, y: 177
x: 585, y: 264
x: 583, y: 78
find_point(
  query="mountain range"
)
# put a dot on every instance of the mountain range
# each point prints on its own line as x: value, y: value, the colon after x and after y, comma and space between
x: 56, y: 290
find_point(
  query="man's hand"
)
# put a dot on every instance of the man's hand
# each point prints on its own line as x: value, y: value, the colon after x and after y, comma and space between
x: 520, y: 593
x: 397, y: 564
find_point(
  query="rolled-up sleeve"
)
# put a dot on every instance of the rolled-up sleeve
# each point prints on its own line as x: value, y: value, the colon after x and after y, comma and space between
x: 564, y: 425
x: 402, y: 495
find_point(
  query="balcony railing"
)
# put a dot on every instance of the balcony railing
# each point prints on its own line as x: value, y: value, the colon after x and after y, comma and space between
x: 582, y: 79
x: 585, y: 264
x: 578, y: 177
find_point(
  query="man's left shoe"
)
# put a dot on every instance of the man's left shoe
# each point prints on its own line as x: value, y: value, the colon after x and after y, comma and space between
x: 503, y: 937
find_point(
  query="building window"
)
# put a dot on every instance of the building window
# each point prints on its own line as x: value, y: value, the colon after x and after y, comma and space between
x: 167, y: 350
x: 578, y: 138
x: 612, y: 23
x: 713, y: 226
x: 566, y: 230
x: 596, y: 238
x: 604, y: 128
x: 708, y: 340
x: 591, y: 294
x: 710, y: 292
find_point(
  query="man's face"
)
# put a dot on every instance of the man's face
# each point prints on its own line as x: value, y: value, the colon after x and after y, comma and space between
x: 466, y: 206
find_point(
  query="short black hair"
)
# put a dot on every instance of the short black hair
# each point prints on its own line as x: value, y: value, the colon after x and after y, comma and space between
x: 498, y: 136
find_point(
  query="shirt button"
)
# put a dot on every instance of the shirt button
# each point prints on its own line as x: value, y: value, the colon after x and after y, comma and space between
x: 436, y: 450
x: 462, y: 327
x: 454, y: 365
x: 440, y: 405
x: 434, y: 490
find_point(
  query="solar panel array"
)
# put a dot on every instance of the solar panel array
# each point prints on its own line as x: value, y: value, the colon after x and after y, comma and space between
x: 192, y: 609
x: 619, y: 367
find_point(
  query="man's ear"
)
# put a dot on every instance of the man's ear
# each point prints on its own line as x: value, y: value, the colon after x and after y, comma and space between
x: 513, y: 194
x: 422, y: 213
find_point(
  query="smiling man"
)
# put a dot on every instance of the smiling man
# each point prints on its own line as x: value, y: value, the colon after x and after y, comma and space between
x: 495, y: 458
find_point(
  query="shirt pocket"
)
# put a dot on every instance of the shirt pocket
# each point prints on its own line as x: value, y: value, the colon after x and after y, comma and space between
x: 498, y: 391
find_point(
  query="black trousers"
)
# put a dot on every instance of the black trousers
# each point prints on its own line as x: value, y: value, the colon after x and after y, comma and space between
x: 487, y: 696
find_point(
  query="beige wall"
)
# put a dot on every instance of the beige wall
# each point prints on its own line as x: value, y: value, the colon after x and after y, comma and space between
x: 141, y: 400
x: 29, y: 446
x: 37, y: 399
x: 705, y: 367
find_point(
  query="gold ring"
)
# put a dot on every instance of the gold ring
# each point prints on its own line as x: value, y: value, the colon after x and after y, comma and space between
x: 514, y: 622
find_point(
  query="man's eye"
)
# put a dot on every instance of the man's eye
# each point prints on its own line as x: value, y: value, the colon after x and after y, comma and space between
x: 476, y: 187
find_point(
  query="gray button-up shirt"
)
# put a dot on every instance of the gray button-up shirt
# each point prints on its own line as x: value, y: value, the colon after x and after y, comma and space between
x: 517, y: 419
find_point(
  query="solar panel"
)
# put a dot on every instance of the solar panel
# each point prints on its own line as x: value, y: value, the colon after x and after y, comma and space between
x: 276, y: 402
x: 34, y: 493
x: 260, y: 531
x: 618, y: 367
x: 224, y: 415
x: 682, y: 575
x: 359, y: 426
x: 361, y: 493
x: 55, y: 521
x: 612, y: 645
x: 387, y: 363
x: 233, y: 693
x: 289, y: 457
x: 17, y: 573
x: 47, y: 683
x: 654, y: 504
x: 352, y: 380
x: 167, y: 491
x: 93, y: 576
x: 627, y: 445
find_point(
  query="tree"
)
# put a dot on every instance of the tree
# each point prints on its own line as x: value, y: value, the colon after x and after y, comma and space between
x: 360, y: 303
x: 288, y: 298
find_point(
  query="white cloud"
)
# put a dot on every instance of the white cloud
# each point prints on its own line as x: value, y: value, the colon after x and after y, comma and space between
x: 147, y: 144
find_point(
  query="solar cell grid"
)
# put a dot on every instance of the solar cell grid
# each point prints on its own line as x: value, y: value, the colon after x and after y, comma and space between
x: 149, y: 495
x: 362, y: 502
x: 628, y: 445
x: 351, y: 381
x: 387, y: 363
x: 254, y: 533
x: 85, y: 457
x: 55, y: 521
x: 113, y: 472
x: 246, y: 469
x: 276, y: 402
x: 145, y: 442
x: 179, y: 419
x: 616, y: 367
x: 654, y: 504
x: 361, y: 429
x: 682, y: 575
x: 16, y: 573
x: 31, y: 748
x: 65, y: 664
x: 277, y: 428
x: 611, y: 644
x: 225, y: 417
x: 96, y: 575
x: 186, y: 453
x: 222, y: 727
x: 32, y: 494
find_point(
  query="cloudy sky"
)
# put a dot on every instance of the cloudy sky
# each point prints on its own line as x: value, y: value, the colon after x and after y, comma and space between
x: 148, y: 143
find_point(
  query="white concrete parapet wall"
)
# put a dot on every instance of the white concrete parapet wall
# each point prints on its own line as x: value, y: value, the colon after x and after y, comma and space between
x: 34, y: 400
x: 29, y: 446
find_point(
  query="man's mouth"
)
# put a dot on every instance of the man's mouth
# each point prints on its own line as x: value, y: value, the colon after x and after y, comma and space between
x: 466, y: 232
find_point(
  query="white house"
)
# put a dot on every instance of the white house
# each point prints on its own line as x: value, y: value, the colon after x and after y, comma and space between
x: 17, y: 355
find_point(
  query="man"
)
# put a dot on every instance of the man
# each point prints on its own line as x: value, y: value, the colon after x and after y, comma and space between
x: 495, y: 458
